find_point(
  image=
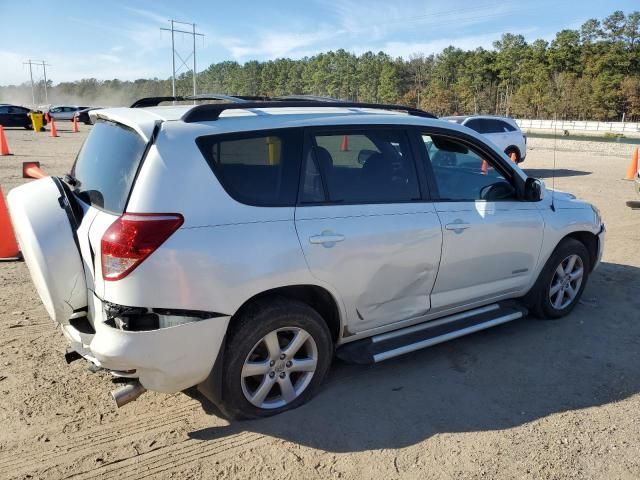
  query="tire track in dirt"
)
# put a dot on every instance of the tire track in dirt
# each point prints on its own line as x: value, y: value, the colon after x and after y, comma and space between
x: 116, y: 434
x: 107, y: 429
x: 162, y: 459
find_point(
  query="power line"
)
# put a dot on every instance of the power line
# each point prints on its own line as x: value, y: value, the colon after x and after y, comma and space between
x: 174, y: 53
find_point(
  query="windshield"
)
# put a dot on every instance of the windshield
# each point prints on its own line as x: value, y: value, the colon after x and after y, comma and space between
x: 106, y: 166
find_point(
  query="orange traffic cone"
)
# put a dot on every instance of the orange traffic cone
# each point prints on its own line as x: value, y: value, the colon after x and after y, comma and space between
x: 513, y: 157
x: 4, y: 148
x: 632, y: 171
x: 485, y: 167
x: 75, y: 125
x: 54, y: 131
x: 344, y: 146
x: 8, y: 245
x: 32, y: 170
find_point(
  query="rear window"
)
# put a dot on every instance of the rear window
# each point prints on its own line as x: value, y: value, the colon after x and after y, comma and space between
x: 256, y: 168
x: 106, y: 166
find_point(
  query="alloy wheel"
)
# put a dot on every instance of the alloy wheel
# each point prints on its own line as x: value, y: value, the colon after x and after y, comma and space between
x: 566, y: 282
x: 279, y: 367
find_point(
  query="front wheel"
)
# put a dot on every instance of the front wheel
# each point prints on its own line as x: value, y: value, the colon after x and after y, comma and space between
x: 562, y: 280
x: 276, y: 357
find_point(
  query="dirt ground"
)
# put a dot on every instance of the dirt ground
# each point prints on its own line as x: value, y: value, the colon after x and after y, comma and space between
x: 529, y: 399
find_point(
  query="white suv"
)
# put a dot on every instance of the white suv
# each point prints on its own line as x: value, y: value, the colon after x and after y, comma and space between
x: 503, y: 131
x: 237, y: 246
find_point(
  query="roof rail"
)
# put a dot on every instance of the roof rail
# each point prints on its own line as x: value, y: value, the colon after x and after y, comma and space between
x: 211, y: 112
x: 315, y: 98
x: 155, y: 101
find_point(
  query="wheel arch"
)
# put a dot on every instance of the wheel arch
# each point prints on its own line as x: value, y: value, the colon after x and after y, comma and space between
x: 589, y: 240
x: 317, y: 297
x: 514, y: 147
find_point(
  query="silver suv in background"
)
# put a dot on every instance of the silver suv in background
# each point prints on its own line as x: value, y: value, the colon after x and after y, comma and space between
x: 62, y: 112
x: 238, y: 246
x: 503, y: 131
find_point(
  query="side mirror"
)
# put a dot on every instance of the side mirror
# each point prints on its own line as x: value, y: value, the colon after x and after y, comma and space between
x: 533, y: 189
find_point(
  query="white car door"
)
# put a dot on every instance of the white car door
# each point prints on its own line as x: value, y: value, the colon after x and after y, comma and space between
x: 491, y: 239
x: 364, y: 226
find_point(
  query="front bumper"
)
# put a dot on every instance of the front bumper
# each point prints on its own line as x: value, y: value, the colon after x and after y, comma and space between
x: 601, y: 236
x: 166, y: 360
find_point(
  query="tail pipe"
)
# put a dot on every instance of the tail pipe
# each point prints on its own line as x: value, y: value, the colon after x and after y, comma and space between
x: 128, y: 393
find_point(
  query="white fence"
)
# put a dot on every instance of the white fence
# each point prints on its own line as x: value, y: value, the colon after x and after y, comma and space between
x: 581, y: 126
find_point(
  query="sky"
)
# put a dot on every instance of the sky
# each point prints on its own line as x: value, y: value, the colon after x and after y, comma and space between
x: 122, y: 39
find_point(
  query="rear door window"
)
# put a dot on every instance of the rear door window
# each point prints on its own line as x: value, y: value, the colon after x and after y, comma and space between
x: 106, y: 166
x: 256, y: 168
x: 352, y: 167
x: 485, y: 125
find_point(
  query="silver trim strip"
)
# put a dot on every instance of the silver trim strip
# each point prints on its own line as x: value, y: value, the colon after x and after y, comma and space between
x: 443, y: 338
x: 433, y: 323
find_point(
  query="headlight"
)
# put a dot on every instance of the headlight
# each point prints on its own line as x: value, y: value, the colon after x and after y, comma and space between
x: 596, y: 213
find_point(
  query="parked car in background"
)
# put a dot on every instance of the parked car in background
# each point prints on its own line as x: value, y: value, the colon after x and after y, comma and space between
x: 503, y: 131
x: 236, y: 247
x: 62, y: 112
x: 83, y: 115
x: 14, y: 116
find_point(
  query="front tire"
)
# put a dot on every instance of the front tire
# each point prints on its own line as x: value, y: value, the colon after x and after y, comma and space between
x: 562, y: 280
x: 277, y: 355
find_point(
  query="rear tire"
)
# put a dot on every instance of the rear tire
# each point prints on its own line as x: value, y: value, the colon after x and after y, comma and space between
x: 277, y: 355
x: 561, y: 281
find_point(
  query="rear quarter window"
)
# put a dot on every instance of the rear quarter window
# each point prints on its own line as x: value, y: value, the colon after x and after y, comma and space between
x: 106, y: 166
x: 508, y: 127
x: 256, y: 168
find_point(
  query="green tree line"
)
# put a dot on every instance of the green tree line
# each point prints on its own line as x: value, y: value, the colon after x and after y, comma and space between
x: 589, y: 73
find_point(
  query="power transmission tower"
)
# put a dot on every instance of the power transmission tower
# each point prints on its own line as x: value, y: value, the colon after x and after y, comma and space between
x: 174, y: 53
x: 44, y: 65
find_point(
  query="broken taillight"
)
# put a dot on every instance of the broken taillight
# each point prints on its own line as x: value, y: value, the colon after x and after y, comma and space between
x: 132, y: 238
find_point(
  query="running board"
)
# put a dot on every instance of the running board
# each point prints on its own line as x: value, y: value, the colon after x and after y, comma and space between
x: 398, y: 342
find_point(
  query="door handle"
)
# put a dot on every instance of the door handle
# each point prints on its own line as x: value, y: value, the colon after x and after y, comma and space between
x: 457, y: 227
x: 326, y: 238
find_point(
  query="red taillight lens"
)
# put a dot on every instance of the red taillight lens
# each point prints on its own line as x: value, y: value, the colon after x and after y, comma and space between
x: 132, y: 238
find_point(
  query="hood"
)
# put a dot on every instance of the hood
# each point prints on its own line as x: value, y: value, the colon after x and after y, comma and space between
x: 564, y: 200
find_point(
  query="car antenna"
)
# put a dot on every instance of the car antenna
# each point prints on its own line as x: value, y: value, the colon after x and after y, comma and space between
x: 553, y: 173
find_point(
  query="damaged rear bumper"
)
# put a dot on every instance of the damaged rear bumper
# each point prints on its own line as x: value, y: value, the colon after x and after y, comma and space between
x: 166, y: 360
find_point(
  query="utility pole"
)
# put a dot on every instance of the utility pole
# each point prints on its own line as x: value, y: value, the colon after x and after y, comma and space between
x: 33, y: 95
x: 194, y: 61
x: 44, y: 71
x: 43, y: 64
x: 174, y: 53
x: 173, y: 62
